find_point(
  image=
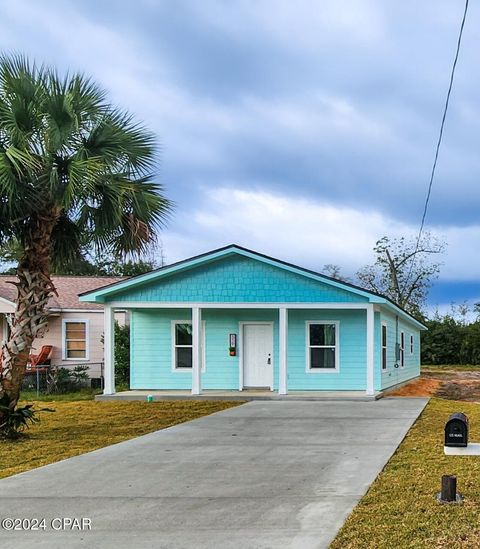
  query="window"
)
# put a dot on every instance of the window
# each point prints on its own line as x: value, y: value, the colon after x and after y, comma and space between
x: 75, y: 339
x: 384, y: 347
x: 411, y: 344
x: 182, y: 344
x: 322, y: 346
x: 402, y: 349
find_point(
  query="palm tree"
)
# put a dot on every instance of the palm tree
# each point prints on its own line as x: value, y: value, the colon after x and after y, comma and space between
x: 73, y: 170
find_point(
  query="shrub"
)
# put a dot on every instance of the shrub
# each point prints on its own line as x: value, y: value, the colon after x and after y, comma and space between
x: 122, y: 355
x: 62, y: 380
x: 17, y: 420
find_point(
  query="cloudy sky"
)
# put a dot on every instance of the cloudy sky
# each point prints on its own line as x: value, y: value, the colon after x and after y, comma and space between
x: 301, y: 129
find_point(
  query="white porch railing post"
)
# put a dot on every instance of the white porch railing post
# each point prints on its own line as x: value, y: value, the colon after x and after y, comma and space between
x: 109, y: 349
x: 370, y: 350
x: 282, y: 350
x: 196, y: 350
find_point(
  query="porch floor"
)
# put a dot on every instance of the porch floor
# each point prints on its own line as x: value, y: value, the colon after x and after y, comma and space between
x: 241, y: 395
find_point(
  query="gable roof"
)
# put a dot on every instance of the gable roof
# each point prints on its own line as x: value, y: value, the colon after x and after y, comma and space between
x: 68, y: 288
x: 99, y: 295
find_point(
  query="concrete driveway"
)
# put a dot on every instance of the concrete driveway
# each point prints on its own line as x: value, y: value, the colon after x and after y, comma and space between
x: 262, y: 475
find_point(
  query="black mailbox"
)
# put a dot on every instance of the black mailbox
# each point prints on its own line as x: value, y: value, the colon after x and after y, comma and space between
x: 456, y: 430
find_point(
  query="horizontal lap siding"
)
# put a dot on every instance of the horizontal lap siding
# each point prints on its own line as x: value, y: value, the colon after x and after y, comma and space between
x: 222, y: 369
x: 151, y: 348
x: 151, y: 354
x: 392, y: 376
x: 352, y: 371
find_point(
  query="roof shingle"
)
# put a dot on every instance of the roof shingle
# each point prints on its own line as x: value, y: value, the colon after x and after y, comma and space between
x: 68, y: 288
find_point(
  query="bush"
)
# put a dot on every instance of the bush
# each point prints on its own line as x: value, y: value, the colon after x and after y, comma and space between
x: 122, y: 355
x: 17, y: 420
x: 63, y: 380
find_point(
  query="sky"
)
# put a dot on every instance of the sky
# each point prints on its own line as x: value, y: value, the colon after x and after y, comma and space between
x: 303, y: 130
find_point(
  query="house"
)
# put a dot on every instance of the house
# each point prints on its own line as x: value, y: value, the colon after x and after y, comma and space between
x: 235, y: 319
x: 75, y: 329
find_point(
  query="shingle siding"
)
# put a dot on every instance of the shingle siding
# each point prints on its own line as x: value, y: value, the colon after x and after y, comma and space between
x: 235, y: 280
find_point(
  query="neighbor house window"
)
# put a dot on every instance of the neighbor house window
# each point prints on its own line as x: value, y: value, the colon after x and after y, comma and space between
x: 182, y: 343
x: 322, y: 346
x: 384, y: 347
x: 402, y: 349
x: 411, y: 344
x: 75, y: 339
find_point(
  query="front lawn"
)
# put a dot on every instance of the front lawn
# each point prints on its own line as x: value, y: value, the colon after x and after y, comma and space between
x: 78, y: 427
x: 81, y: 394
x: 400, y: 509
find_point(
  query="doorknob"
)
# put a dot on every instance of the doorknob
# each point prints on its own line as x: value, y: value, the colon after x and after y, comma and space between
x: 269, y: 359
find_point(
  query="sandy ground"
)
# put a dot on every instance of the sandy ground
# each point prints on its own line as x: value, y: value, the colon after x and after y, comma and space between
x: 444, y: 383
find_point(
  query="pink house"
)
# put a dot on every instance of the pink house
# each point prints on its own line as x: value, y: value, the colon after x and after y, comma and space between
x: 75, y: 329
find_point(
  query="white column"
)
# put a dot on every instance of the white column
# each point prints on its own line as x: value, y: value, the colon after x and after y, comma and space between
x: 282, y: 350
x: 370, y: 350
x: 196, y: 350
x: 109, y: 350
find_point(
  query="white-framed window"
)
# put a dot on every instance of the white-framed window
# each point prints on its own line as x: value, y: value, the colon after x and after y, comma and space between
x: 75, y: 338
x: 322, y: 346
x: 182, y: 345
x: 402, y: 349
x: 411, y: 344
x: 384, y: 346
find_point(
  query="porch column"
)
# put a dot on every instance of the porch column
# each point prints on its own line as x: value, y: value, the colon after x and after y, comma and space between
x: 196, y: 350
x: 370, y: 350
x: 109, y: 350
x: 282, y: 350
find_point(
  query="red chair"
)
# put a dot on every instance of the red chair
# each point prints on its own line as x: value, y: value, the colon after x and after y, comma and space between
x: 35, y: 362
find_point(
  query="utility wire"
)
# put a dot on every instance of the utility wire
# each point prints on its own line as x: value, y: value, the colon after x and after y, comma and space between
x: 439, y: 142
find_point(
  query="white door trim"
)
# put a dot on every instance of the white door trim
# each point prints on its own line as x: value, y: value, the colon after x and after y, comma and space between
x: 241, y: 324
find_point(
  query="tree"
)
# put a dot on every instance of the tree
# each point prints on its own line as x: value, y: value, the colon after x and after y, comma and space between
x: 86, y: 263
x: 334, y: 271
x: 74, y: 171
x: 402, y: 270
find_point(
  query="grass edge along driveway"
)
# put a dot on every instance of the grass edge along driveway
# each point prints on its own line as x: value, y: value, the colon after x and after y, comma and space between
x: 82, y: 426
x: 400, y: 509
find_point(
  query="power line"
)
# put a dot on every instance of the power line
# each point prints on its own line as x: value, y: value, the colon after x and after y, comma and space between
x: 439, y: 142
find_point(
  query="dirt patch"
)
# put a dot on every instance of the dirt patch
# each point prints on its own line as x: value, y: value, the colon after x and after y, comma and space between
x: 447, y: 384
x: 418, y: 388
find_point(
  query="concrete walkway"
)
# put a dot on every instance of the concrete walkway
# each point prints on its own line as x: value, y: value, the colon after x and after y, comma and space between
x: 266, y: 474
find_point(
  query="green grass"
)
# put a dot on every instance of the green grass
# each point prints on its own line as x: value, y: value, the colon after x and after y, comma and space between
x: 400, y: 509
x: 83, y: 394
x: 82, y: 426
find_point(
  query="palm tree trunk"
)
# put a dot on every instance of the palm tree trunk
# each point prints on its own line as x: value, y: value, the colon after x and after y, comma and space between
x: 34, y: 288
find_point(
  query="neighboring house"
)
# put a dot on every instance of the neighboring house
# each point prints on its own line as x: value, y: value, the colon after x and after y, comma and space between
x: 235, y: 319
x: 75, y: 329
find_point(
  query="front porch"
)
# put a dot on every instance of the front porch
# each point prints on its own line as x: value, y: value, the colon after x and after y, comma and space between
x: 285, y: 325
x: 137, y: 395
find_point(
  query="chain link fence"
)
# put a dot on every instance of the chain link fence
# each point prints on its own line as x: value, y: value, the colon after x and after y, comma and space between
x: 57, y: 380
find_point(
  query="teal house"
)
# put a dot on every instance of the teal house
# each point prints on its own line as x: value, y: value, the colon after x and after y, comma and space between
x: 234, y: 320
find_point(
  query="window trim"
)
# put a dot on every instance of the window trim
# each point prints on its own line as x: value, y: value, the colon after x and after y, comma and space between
x: 310, y: 370
x: 85, y: 321
x: 173, y: 353
x: 382, y: 347
x: 401, y: 349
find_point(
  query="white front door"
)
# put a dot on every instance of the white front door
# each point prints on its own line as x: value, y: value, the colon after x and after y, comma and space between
x: 257, y: 355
